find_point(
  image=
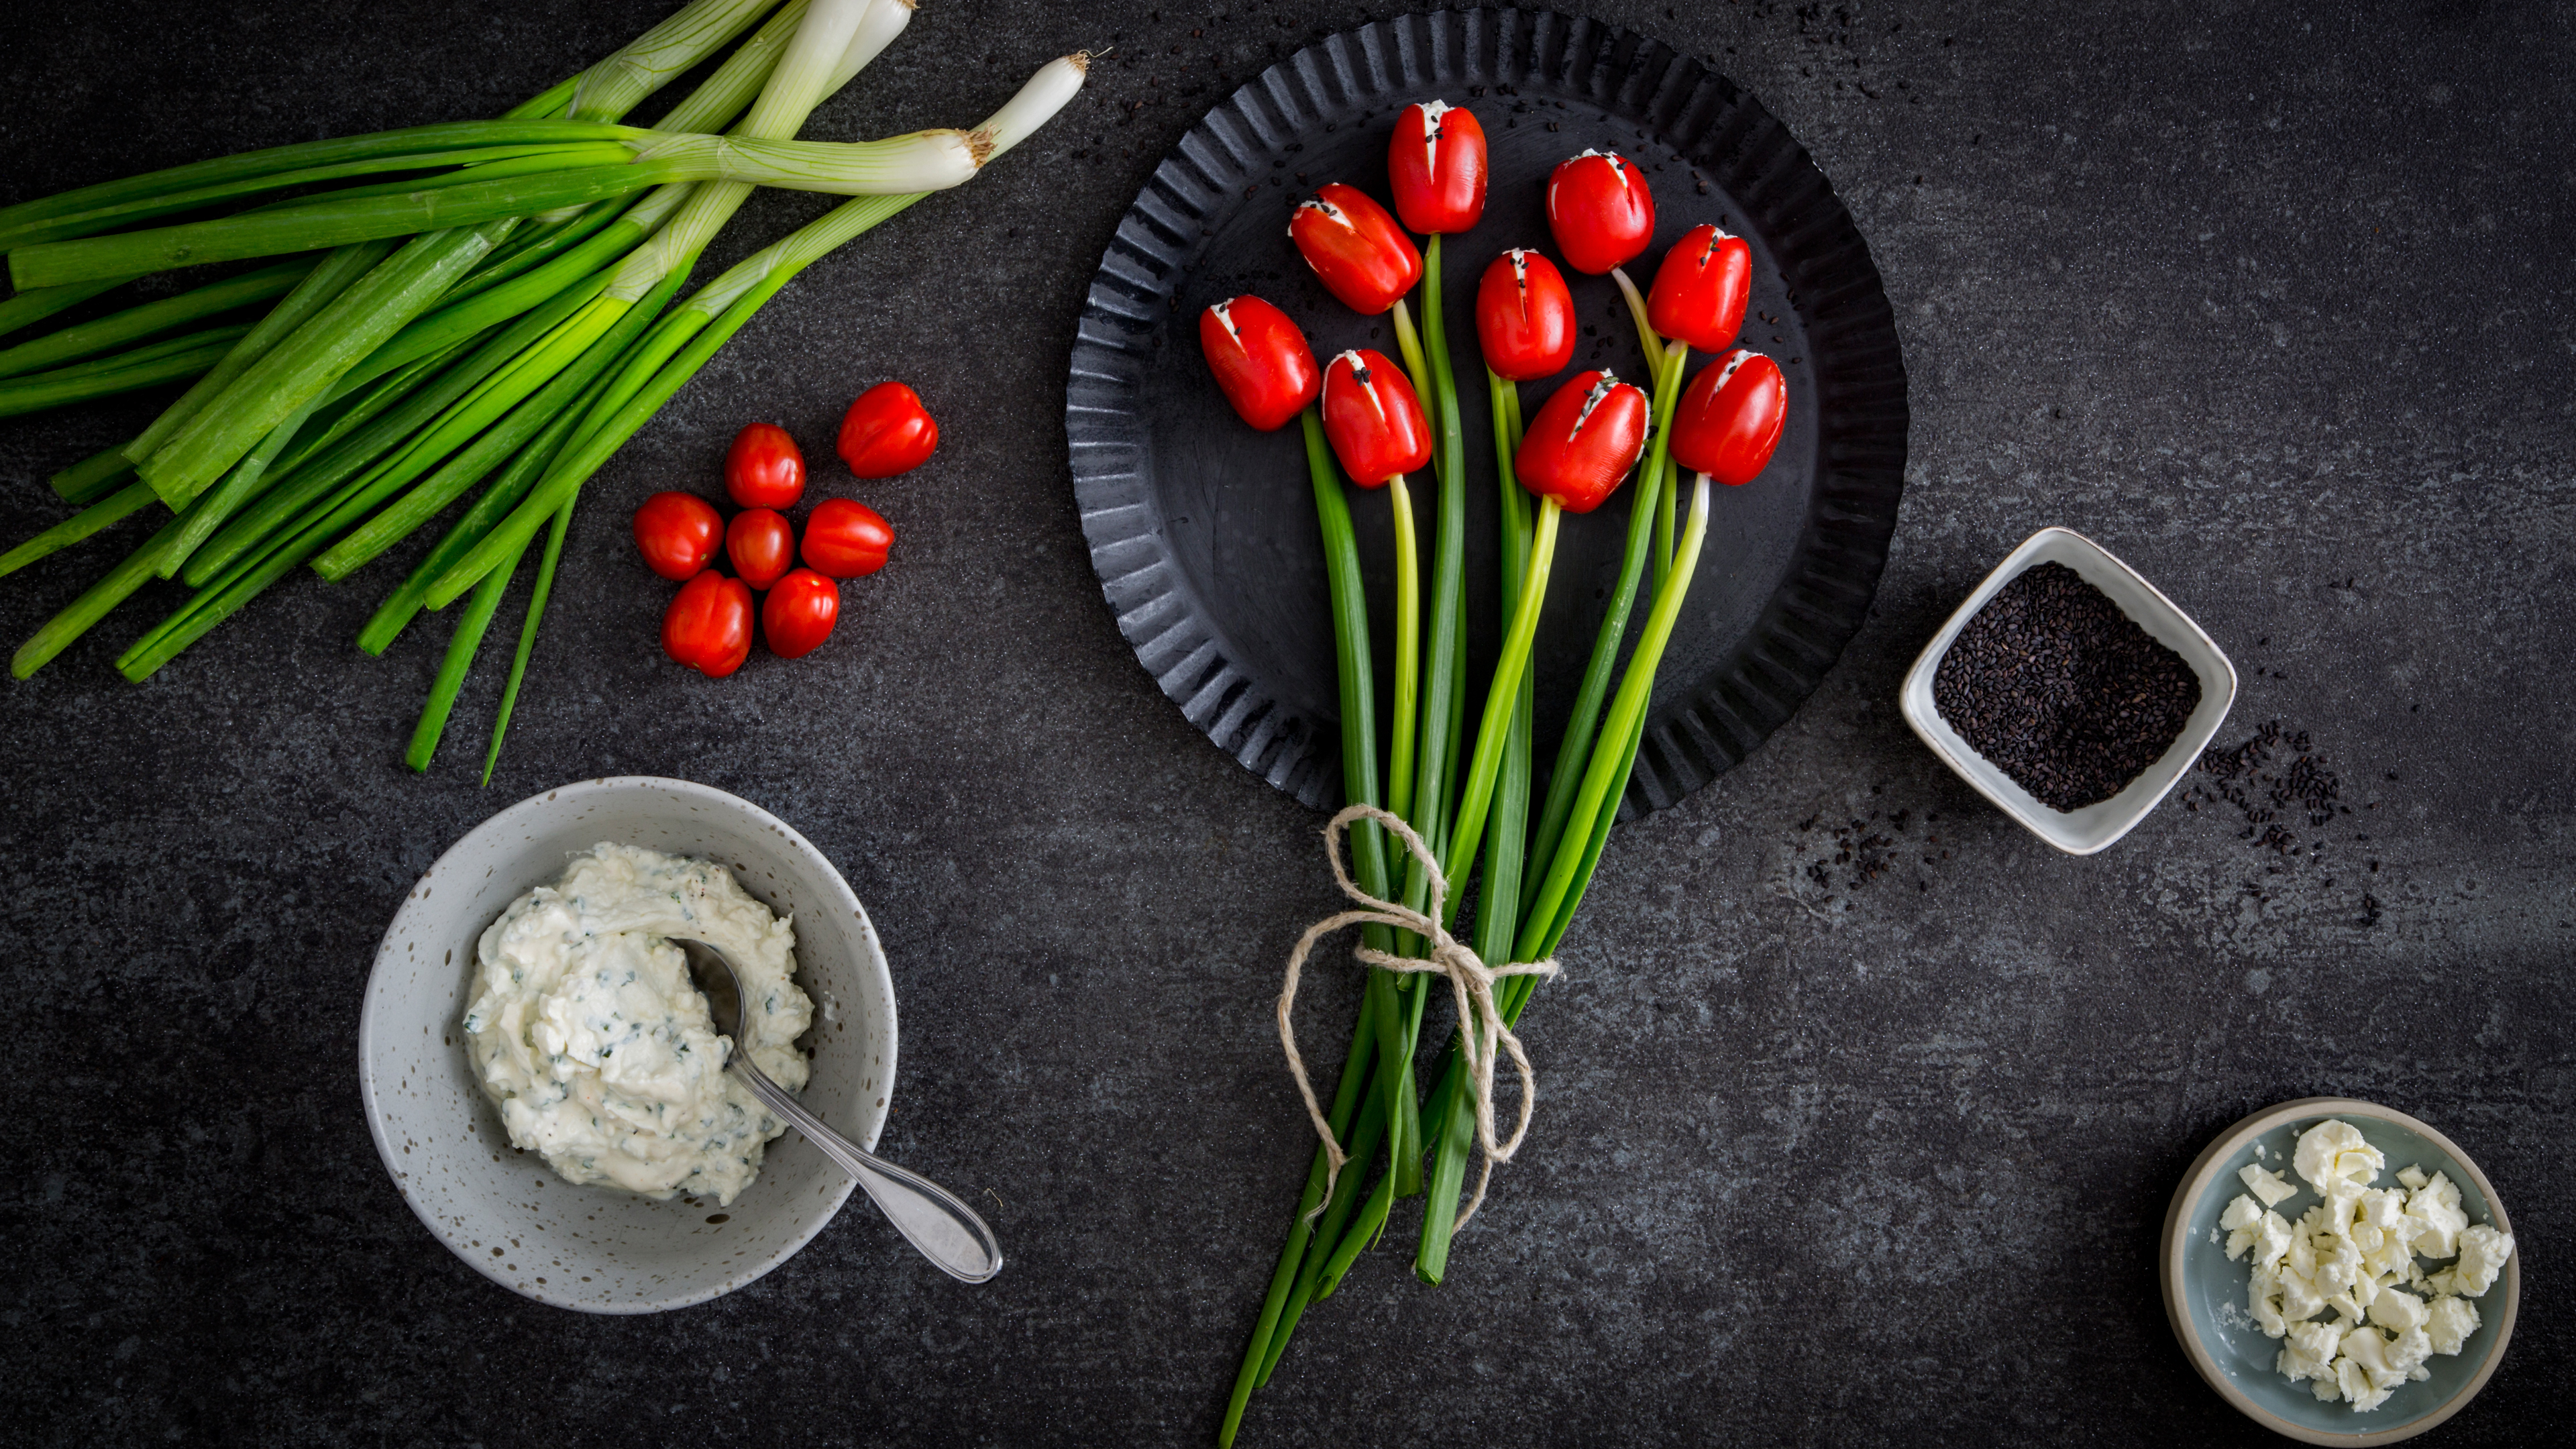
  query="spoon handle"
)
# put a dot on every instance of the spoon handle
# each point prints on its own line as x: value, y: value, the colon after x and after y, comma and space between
x: 929, y: 1216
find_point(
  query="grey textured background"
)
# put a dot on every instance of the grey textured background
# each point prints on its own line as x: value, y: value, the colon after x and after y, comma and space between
x: 2272, y: 300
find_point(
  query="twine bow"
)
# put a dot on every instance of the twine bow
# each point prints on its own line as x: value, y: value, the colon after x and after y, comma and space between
x: 1482, y: 1036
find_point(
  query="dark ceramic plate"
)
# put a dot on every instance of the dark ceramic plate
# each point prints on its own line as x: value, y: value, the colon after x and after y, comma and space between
x: 1203, y: 531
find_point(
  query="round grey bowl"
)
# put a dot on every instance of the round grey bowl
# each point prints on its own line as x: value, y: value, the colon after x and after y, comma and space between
x: 2205, y: 1292
x: 600, y: 1249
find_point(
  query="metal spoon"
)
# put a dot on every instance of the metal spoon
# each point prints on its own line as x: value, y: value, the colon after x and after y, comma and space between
x: 929, y: 1216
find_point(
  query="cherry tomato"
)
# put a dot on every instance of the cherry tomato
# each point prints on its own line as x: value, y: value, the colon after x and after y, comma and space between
x: 761, y: 545
x: 799, y: 614
x: 1435, y: 164
x: 1730, y: 417
x: 1524, y: 317
x: 887, y: 431
x: 1373, y: 419
x: 708, y: 626
x: 1363, y: 257
x: 1600, y: 210
x: 1700, y: 290
x: 846, y: 540
x: 678, y: 533
x: 1583, y: 442
x: 1261, y: 361
x: 763, y: 468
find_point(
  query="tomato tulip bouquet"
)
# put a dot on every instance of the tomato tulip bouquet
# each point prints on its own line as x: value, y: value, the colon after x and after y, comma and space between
x: 1376, y: 423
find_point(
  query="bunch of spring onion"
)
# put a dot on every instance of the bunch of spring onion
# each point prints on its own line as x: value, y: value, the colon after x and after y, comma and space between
x: 1578, y: 450
x: 512, y: 350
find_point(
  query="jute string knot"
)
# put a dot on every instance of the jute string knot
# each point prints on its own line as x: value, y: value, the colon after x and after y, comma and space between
x: 1482, y: 1036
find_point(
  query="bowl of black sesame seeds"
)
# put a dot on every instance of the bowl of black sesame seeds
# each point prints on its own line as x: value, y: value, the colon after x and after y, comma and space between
x: 2069, y: 692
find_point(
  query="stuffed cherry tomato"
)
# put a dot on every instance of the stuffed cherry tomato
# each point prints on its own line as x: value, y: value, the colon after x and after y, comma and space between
x: 1372, y: 418
x: 678, y: 534
x: 887, y: 431
x: 1363, y: 257
x: 1583, y: 442
x: 1730, y: 417
x: 708, y: 626
x: 799, y: 613
x: 1600, y: 210
x: 761, y: 545
x: 1524, y: 317
x: 1700, y: 290
x: 1435, y: 164
x: 1261, y: 361
x: 846, y: 540
x: 764, y: 468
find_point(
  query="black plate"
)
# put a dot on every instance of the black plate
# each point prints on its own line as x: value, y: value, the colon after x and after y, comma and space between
x: 1203, y: 531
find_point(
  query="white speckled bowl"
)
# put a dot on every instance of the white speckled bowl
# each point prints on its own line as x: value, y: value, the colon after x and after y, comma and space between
x: 600, y: 1249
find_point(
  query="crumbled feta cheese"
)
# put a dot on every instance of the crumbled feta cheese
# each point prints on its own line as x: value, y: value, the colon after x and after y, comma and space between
x: 2482, y: 1254
x: 2397, y: 1312
x: 2333, y: 1151
x: 2435, y: 1207
x: 2357, y: 1253
x: 2449, y: 1322
x: 2265, y: 1184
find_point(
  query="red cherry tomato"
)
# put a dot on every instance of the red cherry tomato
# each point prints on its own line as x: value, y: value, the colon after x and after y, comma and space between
x: 1730, y: 417
x: 1600, y: 210
x: 1356, y: 248
x: 761, y: 545
x: 1261, y: 361
x: 678, y: 533
x: 799, y: 614
x: 1524, y: 317
x: 708, y: 626
x: 846, y: 540
x: 1700, y: 290
x: 1583, y: 442
x: 1435, y: 164
x: 763, y: 468
x: 1373, y: 419
x: 887, y: 431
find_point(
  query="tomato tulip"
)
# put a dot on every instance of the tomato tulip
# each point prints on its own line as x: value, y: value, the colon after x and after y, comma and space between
x: 799, y: 614
x: 1583, y: 442
x: 708, y: 626
x: 1600, y: 210
x: 1730, y: 417
x: 1363, y: 257
x: 1261, y: 361
x: 1373, y: 419
x: 887, y: 431
x: 846, y: 540
x: 1435, y: 163
x: 764, y: 468
x: 1701, y: 288
x: 678, y: 534
x: 1524, y: 317
x: 761, y: 545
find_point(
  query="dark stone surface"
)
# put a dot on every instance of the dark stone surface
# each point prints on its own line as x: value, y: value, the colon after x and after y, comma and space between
x: 2272, y: 301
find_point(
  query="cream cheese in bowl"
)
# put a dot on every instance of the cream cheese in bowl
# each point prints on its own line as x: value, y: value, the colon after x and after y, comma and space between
x: 502, y: 1208
x: 588, y: 1035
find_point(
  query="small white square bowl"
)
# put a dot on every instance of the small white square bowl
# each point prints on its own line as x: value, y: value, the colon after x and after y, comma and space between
x: 2095, y: 827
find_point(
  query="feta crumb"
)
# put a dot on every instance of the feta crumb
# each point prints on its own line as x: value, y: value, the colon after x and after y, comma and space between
x: 2333, y: 1151
x: 2482, y: 1254
x: 2413, y: 1177
x: 2449, y: 1322
x: 2265, y: 1185
x: 2435, y: 1207
x: 2397, y: 1311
